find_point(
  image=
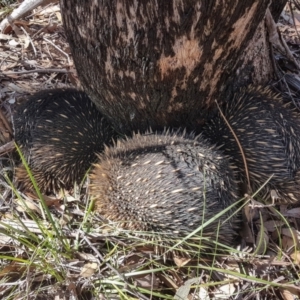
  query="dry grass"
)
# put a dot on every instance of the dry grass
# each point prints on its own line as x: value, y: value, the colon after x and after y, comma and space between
x: 61, y: 248
x: 58, y: 248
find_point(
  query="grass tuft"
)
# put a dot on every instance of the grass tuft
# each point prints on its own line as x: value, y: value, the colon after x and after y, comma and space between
x: 66, y: 250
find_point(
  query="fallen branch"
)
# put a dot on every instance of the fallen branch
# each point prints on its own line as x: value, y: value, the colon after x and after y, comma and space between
x: 23, y: 9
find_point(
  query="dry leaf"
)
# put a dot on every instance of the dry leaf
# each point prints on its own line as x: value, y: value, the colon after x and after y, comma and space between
x: 65, y: 219
x: 58, y: 16
x: 287, y: 243
x: 13, y: 43
x: 181, y: 261
x: 87, y: 256
x: 5, y: 36
x: 225, y: 291
x: 168, y: 281
x: 291, y: 233
x: 89, y: 270
x: 70, y: 198
x: 294, y: 213
x: 148, y: 281
x: 296, y: 257
x: 184, y: 290
x: 288, y: 295
x: 203, y: 294
x: 273, y: 225
x: 14, y: 269
x: 4, y: 240
x: 25, y: 205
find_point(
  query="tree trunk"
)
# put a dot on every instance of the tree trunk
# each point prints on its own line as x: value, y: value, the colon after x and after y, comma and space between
x: 276, y: 8
x: 163, y: 63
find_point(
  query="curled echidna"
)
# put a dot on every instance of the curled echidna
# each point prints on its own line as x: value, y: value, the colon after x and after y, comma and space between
x: 269, y: 133
x: 167, y: 183
x: 59, y: 131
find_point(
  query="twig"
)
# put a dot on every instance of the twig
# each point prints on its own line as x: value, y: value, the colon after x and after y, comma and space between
x: 239, y: 145
x: 8, y: 147
x: 38, y: 71
x: 24, y: 31
x: 23, y: 9
x: 61, y: 51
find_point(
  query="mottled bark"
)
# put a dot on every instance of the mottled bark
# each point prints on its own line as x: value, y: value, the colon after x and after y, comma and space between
x: 163, y: 63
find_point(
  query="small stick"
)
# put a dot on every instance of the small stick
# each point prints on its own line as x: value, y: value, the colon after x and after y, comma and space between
x: 239, y: 145
x: 61, y: 51
x: 8, y: 147
x: 23, y: 9
x: 38, y: 71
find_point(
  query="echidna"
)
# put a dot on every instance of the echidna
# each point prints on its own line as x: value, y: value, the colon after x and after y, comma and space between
x: 59, y: 131
x: 168, y: 183
x: 269, y: 133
